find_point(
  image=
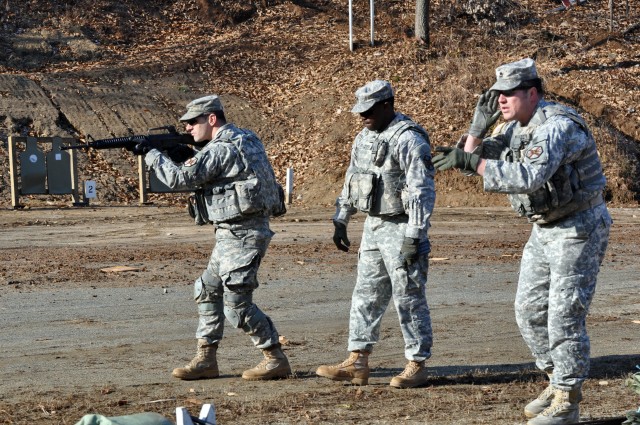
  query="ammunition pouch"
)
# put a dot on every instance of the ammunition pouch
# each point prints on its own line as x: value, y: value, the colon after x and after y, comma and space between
x: 223, y: 204
x: 388, y: 194
x: 555, y: 194
x: 252, y: 199
x: 248, y: 196
x: 243, y: 198
x: 197, y: 208
x: 281, y: 207
x: 362, y: 190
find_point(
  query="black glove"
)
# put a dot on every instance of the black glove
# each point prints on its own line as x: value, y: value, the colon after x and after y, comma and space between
x: 142, y: 148
x: 409, y: 250
x: 455, y: 158
x: 485, y: 115
x: 340, y: 237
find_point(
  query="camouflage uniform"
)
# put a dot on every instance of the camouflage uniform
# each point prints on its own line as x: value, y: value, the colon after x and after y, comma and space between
x: 390, y: 177
x: 226, y: 286
x: 552, y: 173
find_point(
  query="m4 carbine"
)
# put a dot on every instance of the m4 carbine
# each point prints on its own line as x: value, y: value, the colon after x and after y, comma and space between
x: 173, y: 143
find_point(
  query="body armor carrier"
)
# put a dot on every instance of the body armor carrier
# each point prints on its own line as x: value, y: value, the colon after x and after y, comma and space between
x: 574, y: 187
x: 255, y: 192
x: 377, y: 184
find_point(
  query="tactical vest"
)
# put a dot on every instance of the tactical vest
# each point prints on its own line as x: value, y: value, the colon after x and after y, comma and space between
x: 574, y: 187
x: 254, y: 192
x: 377, y: 184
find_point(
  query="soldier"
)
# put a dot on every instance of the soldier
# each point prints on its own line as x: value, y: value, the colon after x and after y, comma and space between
x: 545, y: 159
x: 390, y: 178
x: 237, y: 192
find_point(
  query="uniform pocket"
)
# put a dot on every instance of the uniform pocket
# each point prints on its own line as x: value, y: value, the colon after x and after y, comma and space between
x: 361, y: 190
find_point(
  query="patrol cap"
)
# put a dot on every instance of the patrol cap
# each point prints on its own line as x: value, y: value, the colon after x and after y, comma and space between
x: 371, y: 93
x: 512, y: 75
x: 201, y: 106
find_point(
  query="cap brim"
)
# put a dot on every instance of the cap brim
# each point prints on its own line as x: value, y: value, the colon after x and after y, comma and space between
x: 505, y: 85
x: 190, y: 115
x: 363, y: 107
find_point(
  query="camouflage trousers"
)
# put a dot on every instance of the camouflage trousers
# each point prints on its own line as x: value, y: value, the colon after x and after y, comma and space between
x: 558, y: 273
x: 382, y: 275
x: 226, y: 287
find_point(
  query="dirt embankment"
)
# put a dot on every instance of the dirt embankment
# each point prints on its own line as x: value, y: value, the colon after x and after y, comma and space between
x: 105, y: 70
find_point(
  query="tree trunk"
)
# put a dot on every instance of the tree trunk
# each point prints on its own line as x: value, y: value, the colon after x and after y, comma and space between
x: 422, y: 21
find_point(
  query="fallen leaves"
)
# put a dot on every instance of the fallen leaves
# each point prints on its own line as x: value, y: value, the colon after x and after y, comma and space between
x: 292, y: 64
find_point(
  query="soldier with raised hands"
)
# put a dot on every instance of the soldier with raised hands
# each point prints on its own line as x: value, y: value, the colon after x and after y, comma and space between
x: 546, y: 160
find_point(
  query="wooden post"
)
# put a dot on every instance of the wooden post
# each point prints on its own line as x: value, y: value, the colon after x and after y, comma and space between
x: 13, y: 172
x: 75, y: 194
x: 142, y: 179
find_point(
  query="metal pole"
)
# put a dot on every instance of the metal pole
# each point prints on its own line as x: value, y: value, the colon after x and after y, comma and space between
x: 351, y: 25
x: 289, y: 184
x: 372, y: 14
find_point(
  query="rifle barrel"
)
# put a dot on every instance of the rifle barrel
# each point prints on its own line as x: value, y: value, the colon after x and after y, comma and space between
x: 128, y: 141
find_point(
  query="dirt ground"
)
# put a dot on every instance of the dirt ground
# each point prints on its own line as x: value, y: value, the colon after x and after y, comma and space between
x: 79, y: 339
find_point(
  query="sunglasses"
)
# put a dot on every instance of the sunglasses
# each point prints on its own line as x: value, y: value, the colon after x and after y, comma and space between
x: 370, y: 111
x: 194, y: 121
x: 510, y: 93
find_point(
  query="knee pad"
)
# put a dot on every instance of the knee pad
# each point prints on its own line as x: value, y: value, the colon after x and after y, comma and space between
x: 209, y: 284
x: 236, y: 307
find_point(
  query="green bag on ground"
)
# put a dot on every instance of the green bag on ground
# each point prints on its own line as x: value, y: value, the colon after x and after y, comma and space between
x: 136, y: 419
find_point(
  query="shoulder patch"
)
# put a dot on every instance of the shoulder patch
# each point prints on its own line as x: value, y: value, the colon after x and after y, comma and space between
x: 190, y: 162
x: 534, y: 153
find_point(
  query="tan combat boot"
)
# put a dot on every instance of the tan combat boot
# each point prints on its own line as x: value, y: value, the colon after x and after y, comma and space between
x: 275, y: 365
x: 543, y: 401
x: 355, y: 369
x: 204, y: 365
x: 413, y: 375
x: 564, y: 409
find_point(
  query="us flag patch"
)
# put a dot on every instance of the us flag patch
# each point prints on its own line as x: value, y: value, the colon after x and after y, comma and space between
x: 534, y: 152
x: 191, y: 161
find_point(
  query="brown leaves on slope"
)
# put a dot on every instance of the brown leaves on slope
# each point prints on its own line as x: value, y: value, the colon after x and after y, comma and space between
x: 291, y: 60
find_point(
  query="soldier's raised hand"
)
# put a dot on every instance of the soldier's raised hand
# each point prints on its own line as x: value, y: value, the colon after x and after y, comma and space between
x: 486, y: 114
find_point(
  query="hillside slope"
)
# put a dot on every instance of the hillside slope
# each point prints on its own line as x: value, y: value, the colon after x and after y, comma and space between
x: 109, y: 69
